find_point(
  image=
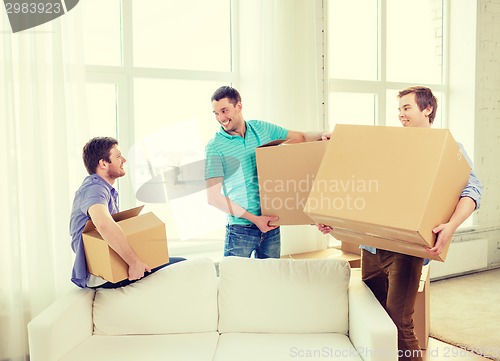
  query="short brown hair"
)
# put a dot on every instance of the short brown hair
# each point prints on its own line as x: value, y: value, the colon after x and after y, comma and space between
x: 96, y: 149
x: 227, y: 92
x: 424, y: 98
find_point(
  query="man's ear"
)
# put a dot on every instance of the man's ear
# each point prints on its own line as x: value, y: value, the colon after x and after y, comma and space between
x: 428, y: 111
x: 102, y: 163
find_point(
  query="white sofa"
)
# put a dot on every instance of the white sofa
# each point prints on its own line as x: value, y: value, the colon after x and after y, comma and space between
x: 273, y: 309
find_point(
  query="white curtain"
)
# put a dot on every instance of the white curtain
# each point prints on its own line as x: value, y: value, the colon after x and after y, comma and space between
x: 279, y: 62
x: 42, y: 97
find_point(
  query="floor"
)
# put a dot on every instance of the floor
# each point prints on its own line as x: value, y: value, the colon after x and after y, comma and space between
x: 440, y: 351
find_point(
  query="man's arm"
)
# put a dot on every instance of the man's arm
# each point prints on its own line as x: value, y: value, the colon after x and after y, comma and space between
x: 219, y: 201
x: 307, y: 136
x: 463, y: 210
x: 112, y: 233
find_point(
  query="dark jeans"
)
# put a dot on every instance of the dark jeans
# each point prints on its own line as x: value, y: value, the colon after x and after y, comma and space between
x: 242, y: 240
x: 127, y: 281
x: 394, y: 279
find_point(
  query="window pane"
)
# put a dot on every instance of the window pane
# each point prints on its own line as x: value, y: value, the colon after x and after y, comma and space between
x: 101, y: 31
x: 392, y: 106
x: 179, y: 34
x: 352, y: 39
x: 352, y: 108
x: 173, y: 122
x: 414, y: 41
x: 101, y: 101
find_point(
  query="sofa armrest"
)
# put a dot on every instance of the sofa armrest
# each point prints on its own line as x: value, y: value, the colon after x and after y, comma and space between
x: 62, y: 326
x: 371, y: 330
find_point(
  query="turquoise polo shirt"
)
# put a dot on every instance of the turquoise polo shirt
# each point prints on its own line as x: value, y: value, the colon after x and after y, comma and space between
x: 233, y: 158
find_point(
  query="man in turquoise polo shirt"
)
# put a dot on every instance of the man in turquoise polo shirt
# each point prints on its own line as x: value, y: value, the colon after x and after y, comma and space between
x: 231, y: 175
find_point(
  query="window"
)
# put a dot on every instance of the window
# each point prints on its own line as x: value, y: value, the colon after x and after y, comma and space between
x: 152, y: 66
x: 373, y: 53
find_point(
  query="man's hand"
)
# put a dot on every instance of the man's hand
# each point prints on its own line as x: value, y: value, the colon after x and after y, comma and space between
x: 137, y: 269
x: 324, y: 228
x: 263, y: 223
x: 443, y: 232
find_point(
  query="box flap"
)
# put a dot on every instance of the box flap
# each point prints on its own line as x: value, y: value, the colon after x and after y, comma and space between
x: 273, y: 143
x: 129, y: 213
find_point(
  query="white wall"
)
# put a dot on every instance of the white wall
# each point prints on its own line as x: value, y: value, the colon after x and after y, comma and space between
x: 487, y: 121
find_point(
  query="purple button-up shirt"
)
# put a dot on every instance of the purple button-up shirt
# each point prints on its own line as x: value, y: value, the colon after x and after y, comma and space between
x: 94, y: 190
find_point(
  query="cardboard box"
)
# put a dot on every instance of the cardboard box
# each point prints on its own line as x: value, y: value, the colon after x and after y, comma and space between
x: 388, y: 187
x: 286, y: 174
x: 146, y: 235
x: 350, y: 248
x: 353, y: 259
x: 422, y: 314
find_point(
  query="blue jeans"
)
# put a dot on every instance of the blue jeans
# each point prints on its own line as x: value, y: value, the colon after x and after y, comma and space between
x: 242, y: 240
x: 126, y: 282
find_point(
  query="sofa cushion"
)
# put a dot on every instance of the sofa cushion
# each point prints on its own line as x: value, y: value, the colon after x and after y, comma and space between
x: 283, y: 295
x: 177, y: 299
x: 281, y: 347
x: 147, y: 347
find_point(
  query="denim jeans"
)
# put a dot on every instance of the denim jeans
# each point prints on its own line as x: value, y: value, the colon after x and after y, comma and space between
x: 394, y: 279
x: 126, y: 282
x: 242, y: 240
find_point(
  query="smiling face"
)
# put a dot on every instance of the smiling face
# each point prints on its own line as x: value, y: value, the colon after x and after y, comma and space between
x: 114, y: 168
x: 229, y: 116
x: 410, y: 114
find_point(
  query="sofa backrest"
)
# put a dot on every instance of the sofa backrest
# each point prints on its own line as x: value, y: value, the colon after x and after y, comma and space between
x: 283, y: 295
x: 177, y: 299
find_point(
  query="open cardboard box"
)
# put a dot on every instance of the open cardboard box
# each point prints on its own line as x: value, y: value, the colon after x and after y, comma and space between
x: 146, y: 235
x: 353, y: 259
x: 286, y: 174
x: 388, y: 187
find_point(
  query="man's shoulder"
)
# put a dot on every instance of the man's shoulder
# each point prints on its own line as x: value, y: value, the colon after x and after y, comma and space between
x: 212, y: 145
x: 263, y: 126
x: 217, y: 143
x: 93, y: 184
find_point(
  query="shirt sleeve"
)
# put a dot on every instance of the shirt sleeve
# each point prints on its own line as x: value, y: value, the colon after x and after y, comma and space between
x: 474, y: 188
x: 275, y: 131
x: 213, y: 162
x: 94, y: 194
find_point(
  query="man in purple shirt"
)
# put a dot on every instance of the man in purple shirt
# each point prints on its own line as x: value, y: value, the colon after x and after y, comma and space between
x: 96, y: 199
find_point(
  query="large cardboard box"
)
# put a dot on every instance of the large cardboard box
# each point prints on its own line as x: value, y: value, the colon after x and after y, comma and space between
x: 286, y: 173
x: 388, y: 187
x: 146, y: 235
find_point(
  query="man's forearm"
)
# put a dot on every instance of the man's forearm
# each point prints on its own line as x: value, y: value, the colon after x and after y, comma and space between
x: 114, y: 236
x: 313, y: 136
x: 227, y: 206
x: 463, y: 210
